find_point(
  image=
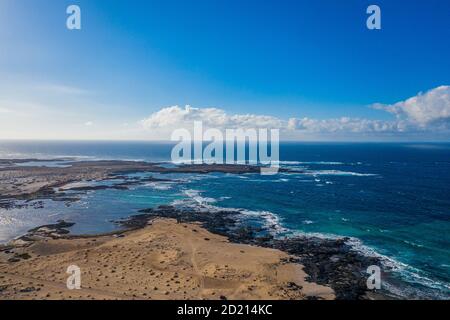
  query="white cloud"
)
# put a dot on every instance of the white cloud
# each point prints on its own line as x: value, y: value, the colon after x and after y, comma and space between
x: 345, y: 125
x: 176, y: 117
x: 4, y: 110
x: 426, y: 110
x: 89, y: 124
x: 173, y: 117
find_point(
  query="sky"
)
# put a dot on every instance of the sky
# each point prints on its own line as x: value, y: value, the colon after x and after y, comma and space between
x: 139, y: 69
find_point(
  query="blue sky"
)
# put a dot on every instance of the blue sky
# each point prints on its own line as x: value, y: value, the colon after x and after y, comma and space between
x: 285, y: 59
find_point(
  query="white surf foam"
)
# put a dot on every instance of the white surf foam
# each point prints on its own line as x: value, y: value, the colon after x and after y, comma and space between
x: 196, y: 196
x: 338, y: 173
x: 309, y: 162
x: 159, y: 185
x: 204, y: 204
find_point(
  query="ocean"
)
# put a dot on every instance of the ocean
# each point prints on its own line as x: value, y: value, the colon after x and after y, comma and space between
x: 391, y: 199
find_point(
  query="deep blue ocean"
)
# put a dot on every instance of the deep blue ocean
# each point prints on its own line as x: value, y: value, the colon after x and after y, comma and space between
x: 392, y: 199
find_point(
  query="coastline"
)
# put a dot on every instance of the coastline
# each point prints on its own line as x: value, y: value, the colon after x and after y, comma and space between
x: 327, y: 262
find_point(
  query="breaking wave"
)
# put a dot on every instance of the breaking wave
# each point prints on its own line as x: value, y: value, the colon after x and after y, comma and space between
x: 339, y: 173
x: 197, y: 202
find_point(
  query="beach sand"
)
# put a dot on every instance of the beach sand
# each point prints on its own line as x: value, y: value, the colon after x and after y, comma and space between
x: 164, y: 260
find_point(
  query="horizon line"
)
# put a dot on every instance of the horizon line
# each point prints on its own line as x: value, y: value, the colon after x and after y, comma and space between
x: 172, y: 142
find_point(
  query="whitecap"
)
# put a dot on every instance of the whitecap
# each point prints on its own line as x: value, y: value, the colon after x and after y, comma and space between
x: 204, y: 204
x: 159, y: 185
x: 338, y: 173
x: 309, y: 162
x: 196, y: 196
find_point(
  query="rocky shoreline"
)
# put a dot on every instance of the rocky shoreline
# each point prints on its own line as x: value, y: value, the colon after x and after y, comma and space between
x: 29, y: 183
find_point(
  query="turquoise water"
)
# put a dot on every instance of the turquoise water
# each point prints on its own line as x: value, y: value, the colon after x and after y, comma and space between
x: 392, y: 199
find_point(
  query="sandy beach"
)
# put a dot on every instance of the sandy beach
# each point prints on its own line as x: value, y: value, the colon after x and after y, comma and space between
x: 164, y: 260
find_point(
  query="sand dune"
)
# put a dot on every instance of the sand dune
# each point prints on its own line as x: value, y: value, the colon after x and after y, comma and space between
x: 165, y: 260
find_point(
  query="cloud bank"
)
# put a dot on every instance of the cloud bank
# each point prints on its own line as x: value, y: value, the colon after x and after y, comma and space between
x: 173, y: 117
x: 425, y: 112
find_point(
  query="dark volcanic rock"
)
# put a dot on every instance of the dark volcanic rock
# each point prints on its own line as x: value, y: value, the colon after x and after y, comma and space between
x: 9, y: 204
x: 331, y: 262
x: 122, y: 186
x: 56, y: 230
